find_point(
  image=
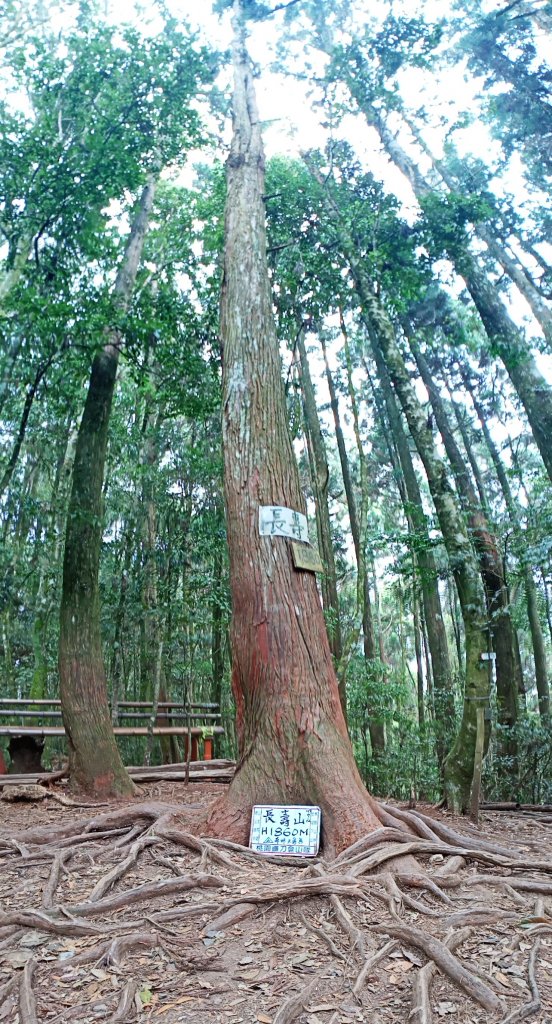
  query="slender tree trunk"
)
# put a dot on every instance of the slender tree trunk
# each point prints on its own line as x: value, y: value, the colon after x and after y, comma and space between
x: 293, y: 741
x: 9, y: 360
x: 534, y: 298
x: 419, y: 658
x: 94, y: 758
x: 537, y: 639
x: 376, y: 728
x: 459, y: 765
x: 321, y: 477
x: 490, y: 559
x: 153, y: 641
x: 460, y: 417
x: 27, y: 406
x: 506, y: 340
x: 444, y: 710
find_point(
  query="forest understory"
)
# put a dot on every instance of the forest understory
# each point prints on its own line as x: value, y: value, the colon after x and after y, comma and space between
x: 124, y: 913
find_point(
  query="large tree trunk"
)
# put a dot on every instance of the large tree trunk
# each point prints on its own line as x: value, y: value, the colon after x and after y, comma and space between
x: 94, y: 758
x: 293, y: 743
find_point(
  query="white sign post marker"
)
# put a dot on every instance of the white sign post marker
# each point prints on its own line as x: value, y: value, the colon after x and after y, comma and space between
x: 285, y: 831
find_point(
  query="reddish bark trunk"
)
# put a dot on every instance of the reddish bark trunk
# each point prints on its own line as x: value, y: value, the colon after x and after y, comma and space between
x: 293, y: 740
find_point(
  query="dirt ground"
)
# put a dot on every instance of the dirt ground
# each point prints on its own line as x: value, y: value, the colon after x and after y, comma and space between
x: 298, y: 942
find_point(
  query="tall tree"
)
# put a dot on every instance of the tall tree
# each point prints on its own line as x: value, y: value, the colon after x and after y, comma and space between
x: 357, y: 523
x: 461, y: 765
x: 293, y: 743
x: 488, y: 549
x: 443, y: 695
x: 321, y: 480
x: 94, y: 758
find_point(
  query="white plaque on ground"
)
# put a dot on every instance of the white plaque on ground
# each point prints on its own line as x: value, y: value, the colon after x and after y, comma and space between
x: 278, y: 521
x: 287, y: 831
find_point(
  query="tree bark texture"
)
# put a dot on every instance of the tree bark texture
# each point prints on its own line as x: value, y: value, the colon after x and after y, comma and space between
x: 94, y: 758
x: 535, y: 627
x: 293, y: 742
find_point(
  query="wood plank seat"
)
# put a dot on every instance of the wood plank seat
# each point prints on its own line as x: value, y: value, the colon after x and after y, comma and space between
x: 196, y: 723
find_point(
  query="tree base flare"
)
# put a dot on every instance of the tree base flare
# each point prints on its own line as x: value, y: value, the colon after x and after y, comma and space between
x: 348, y: 811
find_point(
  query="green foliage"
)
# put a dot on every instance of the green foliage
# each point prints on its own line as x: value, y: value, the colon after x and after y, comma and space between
x: 409, y: 766
x: 446, y: 220
x: 528, y: 777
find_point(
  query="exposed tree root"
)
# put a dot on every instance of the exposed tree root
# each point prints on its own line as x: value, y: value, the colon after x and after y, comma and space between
x: 342, y: 917
x: 446, y: 962
x: 295, y: 1004
x: 370, y: 963
x: 108, y: 880
x: 113, y: 952
x: 372, y: 878
x: 321, y: 934
x: 58, y: 865
x: 27, y: 1002
x: 421, y: 986
x: 127, y: 1002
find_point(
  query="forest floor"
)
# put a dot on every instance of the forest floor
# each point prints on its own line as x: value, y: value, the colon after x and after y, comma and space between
x: 218, y: 934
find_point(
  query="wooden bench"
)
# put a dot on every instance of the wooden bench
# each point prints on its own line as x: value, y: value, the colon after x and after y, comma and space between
x: 40, y: 719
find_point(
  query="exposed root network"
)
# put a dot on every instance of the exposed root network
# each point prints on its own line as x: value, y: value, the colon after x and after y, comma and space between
x: 132, y: 909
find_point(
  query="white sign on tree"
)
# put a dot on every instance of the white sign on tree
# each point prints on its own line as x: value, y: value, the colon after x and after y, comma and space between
x: 282, y: 830
x: 278, y: 521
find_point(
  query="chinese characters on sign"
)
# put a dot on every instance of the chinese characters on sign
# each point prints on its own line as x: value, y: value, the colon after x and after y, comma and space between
x: 306, y: 558
x: 277, y: 521
x: 289, y: 831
